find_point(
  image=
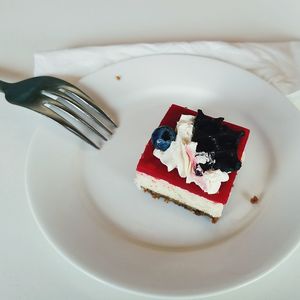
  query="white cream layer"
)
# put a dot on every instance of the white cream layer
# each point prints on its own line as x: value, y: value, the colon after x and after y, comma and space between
x: 183, y: 196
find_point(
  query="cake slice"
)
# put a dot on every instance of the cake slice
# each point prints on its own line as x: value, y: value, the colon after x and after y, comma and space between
x: 192, y: 160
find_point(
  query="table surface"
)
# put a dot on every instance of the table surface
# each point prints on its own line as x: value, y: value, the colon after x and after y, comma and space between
x: 30, y: 267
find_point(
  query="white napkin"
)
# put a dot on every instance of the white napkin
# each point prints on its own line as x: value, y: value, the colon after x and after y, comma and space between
x: 277, y: 63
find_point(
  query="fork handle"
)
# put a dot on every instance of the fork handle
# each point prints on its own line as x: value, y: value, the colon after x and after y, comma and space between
x: 3, y: 84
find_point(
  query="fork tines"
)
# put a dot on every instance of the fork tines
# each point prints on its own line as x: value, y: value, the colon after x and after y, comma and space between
x: 79, y: 114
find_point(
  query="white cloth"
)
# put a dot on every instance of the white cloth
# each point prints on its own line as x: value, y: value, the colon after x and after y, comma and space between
x: 277, y: 63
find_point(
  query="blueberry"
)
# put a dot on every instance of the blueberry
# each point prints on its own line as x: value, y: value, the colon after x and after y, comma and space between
x: 162, y: 137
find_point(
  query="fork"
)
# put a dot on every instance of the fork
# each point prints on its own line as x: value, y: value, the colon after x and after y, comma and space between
x: 65, y: 104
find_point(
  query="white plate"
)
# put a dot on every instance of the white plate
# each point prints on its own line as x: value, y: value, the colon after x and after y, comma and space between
x: 88, y: 206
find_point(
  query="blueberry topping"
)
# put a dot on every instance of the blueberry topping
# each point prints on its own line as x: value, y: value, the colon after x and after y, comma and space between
x: 198, y: 170
x: 162, y: 137
x: 217, y: 139
x: 204, y: 161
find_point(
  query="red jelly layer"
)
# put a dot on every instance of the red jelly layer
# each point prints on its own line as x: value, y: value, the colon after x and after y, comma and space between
x: 152, y: 166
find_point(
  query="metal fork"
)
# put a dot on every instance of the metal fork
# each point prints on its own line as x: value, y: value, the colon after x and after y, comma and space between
x: 65, y: 104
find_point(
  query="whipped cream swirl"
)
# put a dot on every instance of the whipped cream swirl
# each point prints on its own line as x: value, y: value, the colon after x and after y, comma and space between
x: 182, y: 155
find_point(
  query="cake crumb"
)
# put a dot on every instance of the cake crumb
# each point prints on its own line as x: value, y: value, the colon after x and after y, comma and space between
x: 254, y: 200
x: 118, y: 77
x: 214, y: 220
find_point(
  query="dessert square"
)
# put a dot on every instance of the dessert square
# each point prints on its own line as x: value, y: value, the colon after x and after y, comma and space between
x: 192, y: 160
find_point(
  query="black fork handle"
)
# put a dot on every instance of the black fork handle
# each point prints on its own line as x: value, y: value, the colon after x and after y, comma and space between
x: 3, y: 84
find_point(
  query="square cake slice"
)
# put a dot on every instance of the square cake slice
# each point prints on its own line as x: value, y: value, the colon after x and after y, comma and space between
x: 192, y: 160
